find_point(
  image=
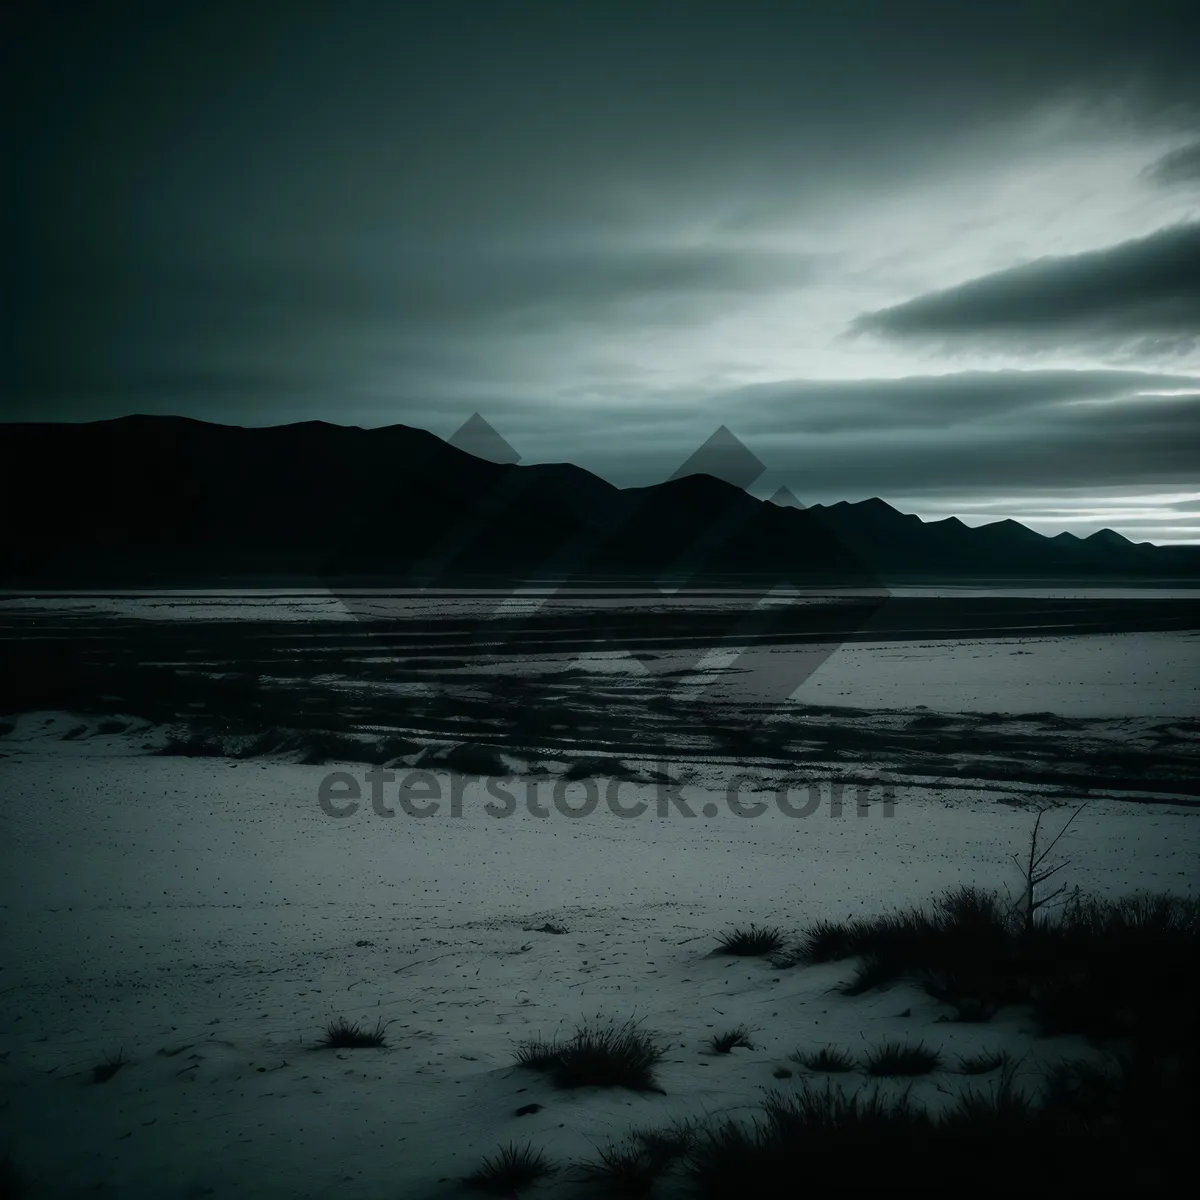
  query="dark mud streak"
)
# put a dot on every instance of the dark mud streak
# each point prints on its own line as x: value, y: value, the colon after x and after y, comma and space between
x: 329, y: 689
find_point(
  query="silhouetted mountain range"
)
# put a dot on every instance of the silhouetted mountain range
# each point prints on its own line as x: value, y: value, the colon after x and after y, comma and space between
x: 161, y: 500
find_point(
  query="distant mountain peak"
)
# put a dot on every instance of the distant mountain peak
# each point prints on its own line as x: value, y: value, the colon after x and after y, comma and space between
x: 152, y: 420
x: 706, y: 484
x: 1108, y: 537
x: 1009, y: 532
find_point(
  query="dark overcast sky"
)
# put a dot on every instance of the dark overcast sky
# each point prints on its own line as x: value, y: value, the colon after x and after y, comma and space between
x: 947, y: 253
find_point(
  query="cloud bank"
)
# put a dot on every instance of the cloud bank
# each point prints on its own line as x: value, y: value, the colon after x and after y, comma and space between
x: 1145, y: 291
x: 884, y: 242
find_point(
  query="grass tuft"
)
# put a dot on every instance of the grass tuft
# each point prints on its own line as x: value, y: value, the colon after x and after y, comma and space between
x: 613, y: 1055
x: 670, y: 1143
x: 828, y: 941
x: 808, y: 1134
x: 537, y: 1055
x: 829, y: 1109
x: 871, y: 974
x: 1000, y: 1107
x: 1108, y: 1128
x: 350, y: 1035
x: 630, y: 1169
x: 828, y: 1060
x: 723, y: 1043
x: 510, y: 1171
x: 1120, y: 973
x: 753, y: 941
x: 1106, y: 970
x: 899, y: 1058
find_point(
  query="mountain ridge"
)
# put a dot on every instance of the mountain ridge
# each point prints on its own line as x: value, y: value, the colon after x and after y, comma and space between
x: 145, y: 499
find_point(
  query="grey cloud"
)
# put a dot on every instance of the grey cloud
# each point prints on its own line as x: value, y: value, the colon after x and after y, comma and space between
x: 259, y: 326
x: 1145, y: 442
x: 1146, y: 290
x: 926, y: 402
x: 1068, y: 501
x: 1181, y: 165
x: 1038, y: 432
x: 208, y: 195
x: 461, y: 120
